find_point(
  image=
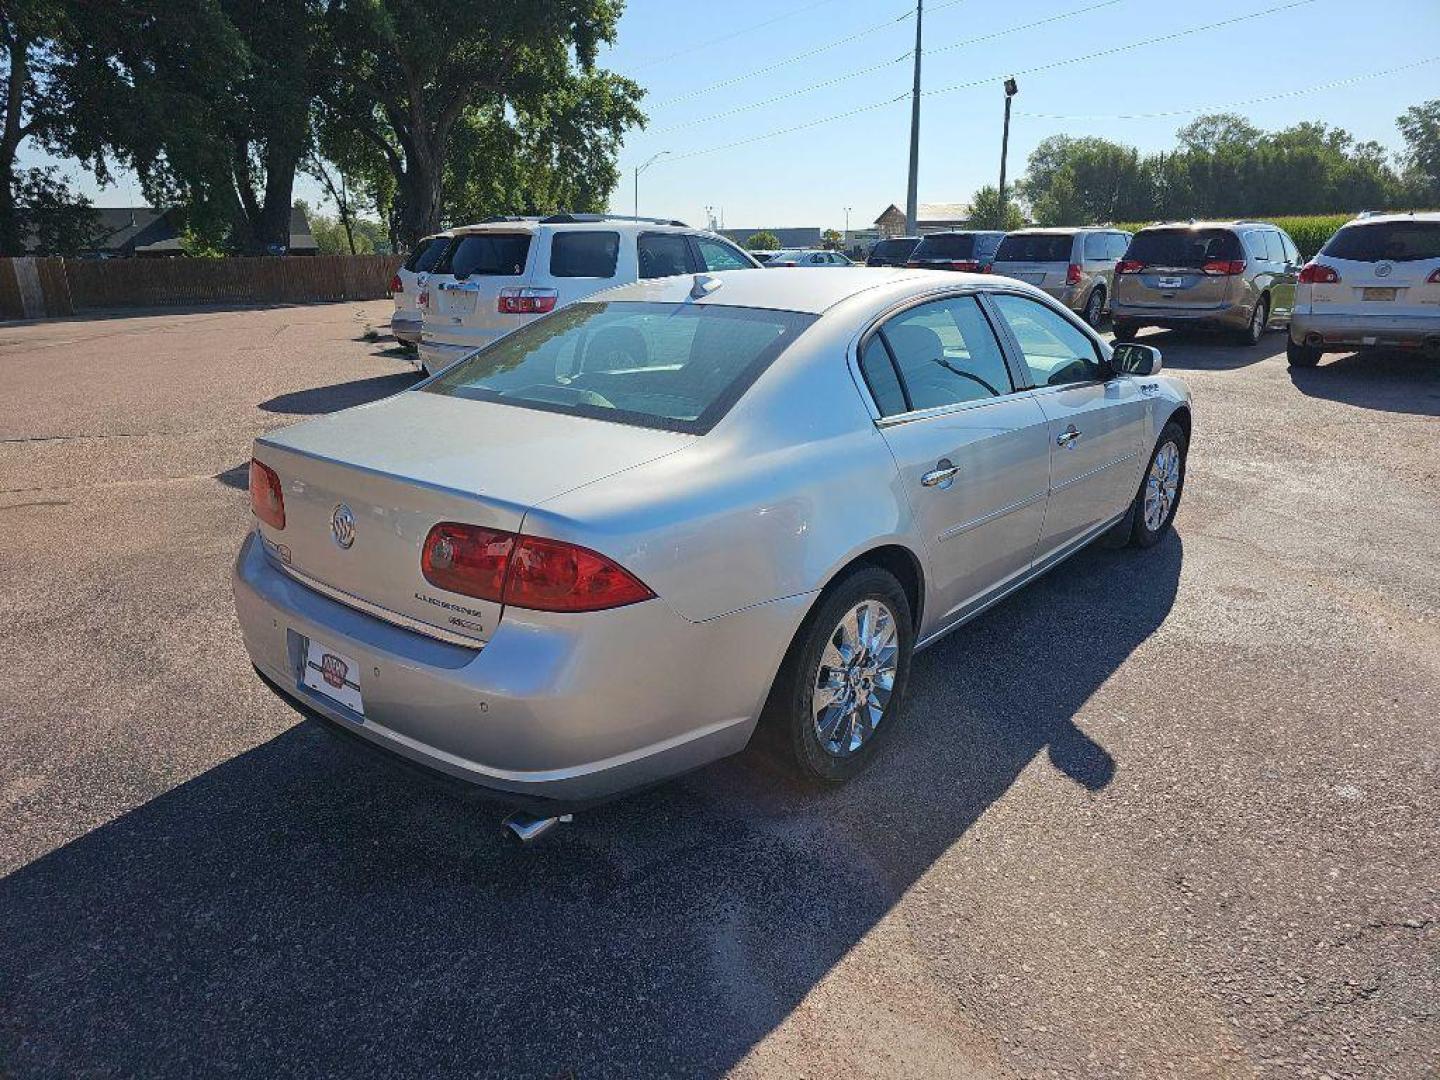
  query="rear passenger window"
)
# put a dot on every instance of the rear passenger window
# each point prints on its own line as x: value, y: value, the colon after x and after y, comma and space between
x: 663, y: 255
x: 947, y: 353
x: 1056, y: 351
x: 426, y: 254
x: 715, y: 255
x: 584, y: 254
x: 1255, y: 245
x: 1118, y: 243
x: 1097, y: 247
x: 1292, y: 253
x: 880, y: 377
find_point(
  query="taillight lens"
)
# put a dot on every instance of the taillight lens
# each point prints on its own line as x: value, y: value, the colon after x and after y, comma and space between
x: 267, y: 499
x: 1314, y: 273
x: 525, y: 571
x: 396, y: 285
x: 424, y: 298
x: 1434, y: 278
x: 969, y: 265
x: 1224, y: 267
x: 1072, y: 274
x: 1129, y: 266
x: 519, y: 300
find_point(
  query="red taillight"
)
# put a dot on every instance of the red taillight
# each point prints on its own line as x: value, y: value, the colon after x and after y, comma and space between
x: 1224, y: 267
x: 526, y: 301
x: 969, y: 265
x: 396, y: 285
x: 1072, y: 274
x: 424, y: 298
x: 1313, y: 273
x: 267, y: 499
x: 1129, y: 266
x: 912, y: 263
x: 1434, y: 278
x: 525, y: 571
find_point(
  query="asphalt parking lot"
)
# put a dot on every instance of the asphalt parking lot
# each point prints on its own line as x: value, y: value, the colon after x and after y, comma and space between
x: 1164, y: 813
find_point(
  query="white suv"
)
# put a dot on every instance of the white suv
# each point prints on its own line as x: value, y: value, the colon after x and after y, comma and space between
x: 1375, y: 284
x: 405, y: 322
x: 499, y: 275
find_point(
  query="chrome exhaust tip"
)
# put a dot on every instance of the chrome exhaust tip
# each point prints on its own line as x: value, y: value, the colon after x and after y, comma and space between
x: 525, y: 828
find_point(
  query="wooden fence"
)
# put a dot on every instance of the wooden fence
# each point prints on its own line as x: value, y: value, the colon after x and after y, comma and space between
x: 36, y: 288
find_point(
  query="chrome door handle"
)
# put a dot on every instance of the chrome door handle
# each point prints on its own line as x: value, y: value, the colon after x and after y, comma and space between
x: 941, y: 476
x: 1068, y: 436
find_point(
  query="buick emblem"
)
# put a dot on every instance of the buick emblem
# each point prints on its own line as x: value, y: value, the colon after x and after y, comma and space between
x: 342, y: 526
x: 1383, y: 270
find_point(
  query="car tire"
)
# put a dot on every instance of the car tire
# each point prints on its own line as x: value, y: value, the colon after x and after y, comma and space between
x: 1259, y: 319
x: 1160, y: 487
x: 1124, y: 331
x: 1094, y: 311
x: 1301, y: 355
x: 813, y: 666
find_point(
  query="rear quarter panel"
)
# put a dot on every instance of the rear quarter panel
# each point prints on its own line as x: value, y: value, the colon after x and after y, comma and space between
x: 786, y: 489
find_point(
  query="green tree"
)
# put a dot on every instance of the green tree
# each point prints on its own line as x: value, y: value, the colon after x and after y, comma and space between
x: 985, y: 212
x: 1420, y: 127
x: 832, y: 239
x: 762, y: 241
x: 424, y: 86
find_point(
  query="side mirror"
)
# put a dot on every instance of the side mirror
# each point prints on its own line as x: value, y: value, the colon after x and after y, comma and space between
x: 1127, y: 358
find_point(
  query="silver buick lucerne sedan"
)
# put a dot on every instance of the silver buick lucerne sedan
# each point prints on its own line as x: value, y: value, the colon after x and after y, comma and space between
x: 589, y: 555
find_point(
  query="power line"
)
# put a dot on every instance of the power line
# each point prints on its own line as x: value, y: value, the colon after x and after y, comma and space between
x: 726, y: 37
x: 992, y: 79
x: 836, y: 80
x: 1278, y: 96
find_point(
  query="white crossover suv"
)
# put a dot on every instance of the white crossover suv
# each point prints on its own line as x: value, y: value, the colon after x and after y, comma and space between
x: 499, y: 275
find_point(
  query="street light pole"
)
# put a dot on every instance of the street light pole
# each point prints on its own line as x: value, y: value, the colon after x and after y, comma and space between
x: 847, y: 230
x: 912, y: 207
x: 1011, y: 89
x: 638, y: 170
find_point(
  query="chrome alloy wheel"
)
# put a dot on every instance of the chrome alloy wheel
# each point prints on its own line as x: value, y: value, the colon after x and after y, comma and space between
x: 855, y: 678
x: 1161, y: 486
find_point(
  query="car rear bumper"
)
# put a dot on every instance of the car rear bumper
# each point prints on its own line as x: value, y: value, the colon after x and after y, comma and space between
x: 566, y: 709
x: 436, y: 354
x: 1337, y: 332
x: 406, y: 329
x: 1220, y: 317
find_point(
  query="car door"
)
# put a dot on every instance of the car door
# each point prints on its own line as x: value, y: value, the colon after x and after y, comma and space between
x: 1095, y: 421
x: 1286, y: 259
x: 972, y: 451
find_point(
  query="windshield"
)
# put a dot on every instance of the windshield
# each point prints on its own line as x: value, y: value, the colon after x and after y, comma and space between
x: 427, y: 253
x: 496, y: 254
x: 955, y: 246
x: 673, y: 366
x: 1183, y: 247
x: 1035, y: 247
x: 1396, y: 241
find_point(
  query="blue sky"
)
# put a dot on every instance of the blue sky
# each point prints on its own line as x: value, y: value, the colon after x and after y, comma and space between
x: 678, y: 50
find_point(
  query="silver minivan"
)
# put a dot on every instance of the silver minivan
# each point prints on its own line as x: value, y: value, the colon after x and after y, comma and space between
x: 1076, y: 266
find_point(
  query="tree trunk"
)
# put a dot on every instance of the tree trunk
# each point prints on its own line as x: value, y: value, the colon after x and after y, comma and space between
x: 11, y: 234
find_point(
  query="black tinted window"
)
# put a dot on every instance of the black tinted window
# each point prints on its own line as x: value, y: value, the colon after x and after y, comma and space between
x: 663, y: 255
x: 958, y: 246
x: 947, y: 353
x: 1184, y: 247
x: 426, y: 254
x: 584, y: 254
x: 1397, y: 241
x: 881, y: 378
x: 1056, y: 350
x: 1037, y: 247
x: 893, y: 249
x: 495, y: 254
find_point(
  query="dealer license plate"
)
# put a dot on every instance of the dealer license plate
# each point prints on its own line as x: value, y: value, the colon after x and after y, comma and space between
x: 334, y: 675
x: 1377, y: 294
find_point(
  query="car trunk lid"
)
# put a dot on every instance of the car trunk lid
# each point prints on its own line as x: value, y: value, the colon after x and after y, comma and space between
x: 465, y: 291
x: 401, y: 465
x: 1180, y: 269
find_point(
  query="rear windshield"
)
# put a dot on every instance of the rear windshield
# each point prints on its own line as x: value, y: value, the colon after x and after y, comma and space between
x: 673, y: 366
x: 1396, y: 241
x: 960, y: 246
x: 498, y: 254
x: 893, y: 249
x: 426, y: 254
x: 1037, y: 247
x: 1183, y: 247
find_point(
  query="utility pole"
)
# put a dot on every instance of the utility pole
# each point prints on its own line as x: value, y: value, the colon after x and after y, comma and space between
x: 847, y: 230
x: 912, y: 206
x: 638, y: 170
x: 1011, y: 89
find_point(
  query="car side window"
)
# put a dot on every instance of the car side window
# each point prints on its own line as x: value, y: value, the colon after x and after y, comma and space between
x: 584, y: 254
x: 1276, y: 248
x: 880, y: 377
x: 1292, y: 253
x: 947, y: 353
x: 1097, y: 248
x: 1119, y: 242
x: 1056, y: 351
x: 716, y: 255
x: 663, y: 255
x: 1255, y: 245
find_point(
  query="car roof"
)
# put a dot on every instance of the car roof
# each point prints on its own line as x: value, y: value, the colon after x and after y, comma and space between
x: 1373, y: 219
x: 805, y: 289
x: 534, y: 225
x: 1063, y: 230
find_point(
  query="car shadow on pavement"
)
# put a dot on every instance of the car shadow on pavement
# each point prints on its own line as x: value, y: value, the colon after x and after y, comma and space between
x: 1210, y: 350
x: 309, y: 907
x: 1389, y: 381
x: 326, y: 399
